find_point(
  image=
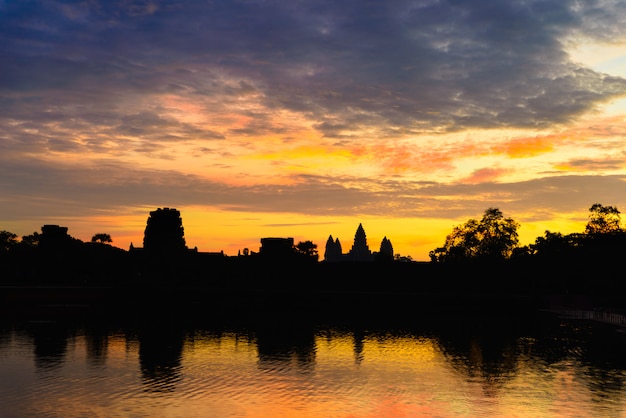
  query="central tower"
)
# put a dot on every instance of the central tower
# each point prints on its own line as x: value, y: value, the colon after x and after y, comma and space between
x: 360, y: 251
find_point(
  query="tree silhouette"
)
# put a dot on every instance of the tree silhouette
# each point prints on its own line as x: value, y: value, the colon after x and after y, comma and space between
x: 307, y: 249
x: 492, y: 237
x: 603, y: 220
x: 102, y: 238
x: 8, y: 240
x: 30, y: 241
x: 553, y: 244
x: 403, y: 258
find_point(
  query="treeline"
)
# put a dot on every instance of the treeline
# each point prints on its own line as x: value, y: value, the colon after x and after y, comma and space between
x: 54, y: 257
x: 479, y: 256
x: 495, y: 237
x: 487, y: 253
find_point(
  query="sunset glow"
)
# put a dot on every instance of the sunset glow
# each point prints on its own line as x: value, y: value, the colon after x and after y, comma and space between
x: 263, y: 119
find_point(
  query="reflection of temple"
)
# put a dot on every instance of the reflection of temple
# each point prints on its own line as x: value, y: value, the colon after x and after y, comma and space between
x: 358, y: 343
x: 50, y: 343
x: 284, y: 343
x: 160, y: 356
x: 97, y: 345
x: 360, y: 250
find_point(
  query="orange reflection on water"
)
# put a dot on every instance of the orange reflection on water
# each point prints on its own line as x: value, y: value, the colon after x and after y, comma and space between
x: 301, y: 373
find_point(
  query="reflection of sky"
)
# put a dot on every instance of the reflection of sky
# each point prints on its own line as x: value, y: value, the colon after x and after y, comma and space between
x: 221, y: 375
x: 418, y: 114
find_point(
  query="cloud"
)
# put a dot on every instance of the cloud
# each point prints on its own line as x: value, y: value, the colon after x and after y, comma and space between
x: 92, y: 94
x: 40, y: 189
x: 609, y: 163
x: 484, y: 175
x: 349, y: 66
x: 528, y: 147
x: 156, y: 128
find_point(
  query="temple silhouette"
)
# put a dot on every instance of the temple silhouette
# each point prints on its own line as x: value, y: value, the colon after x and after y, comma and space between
x: 570, y: 265
x: 360, y: 251
x: 164, y: 232
x: 164, y: 236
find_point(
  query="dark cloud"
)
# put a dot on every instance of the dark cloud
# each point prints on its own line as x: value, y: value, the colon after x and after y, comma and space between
x: 588, y: 164
x: 156, y: 128
x: 348, y: 64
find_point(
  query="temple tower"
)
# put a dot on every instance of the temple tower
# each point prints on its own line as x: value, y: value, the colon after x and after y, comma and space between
x: 360, y: 251
x: 386, y: 250
x: 333, y: 250
x: 164, y: 232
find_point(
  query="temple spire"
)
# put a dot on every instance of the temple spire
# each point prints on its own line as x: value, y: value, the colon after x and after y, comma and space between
x: 333, y: 250
x: 360, y: 250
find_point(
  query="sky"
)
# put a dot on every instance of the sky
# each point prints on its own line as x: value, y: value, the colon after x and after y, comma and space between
x: 262, y: 118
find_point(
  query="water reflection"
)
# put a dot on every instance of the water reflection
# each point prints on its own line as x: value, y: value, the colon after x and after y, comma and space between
x: 96, y: 339
x: 160, y: 356
x: 284, y: 344
x: 289, y: 367
x: 49, y: 344
x: 358, y: 337
x: 484, y: 351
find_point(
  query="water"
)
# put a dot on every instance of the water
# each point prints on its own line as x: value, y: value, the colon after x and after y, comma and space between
x: 77, y: 366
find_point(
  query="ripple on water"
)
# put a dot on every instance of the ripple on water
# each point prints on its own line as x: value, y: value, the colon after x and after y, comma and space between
x: 335, y: 373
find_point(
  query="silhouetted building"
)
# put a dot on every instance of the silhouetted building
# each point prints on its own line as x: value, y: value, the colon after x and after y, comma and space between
x: 164, y: 232
x: 338, y: 247
x: 360, y: 251
x: 276, y: 247
x: 333, y: 250
x: 386, y: 249
x: 53, y: 236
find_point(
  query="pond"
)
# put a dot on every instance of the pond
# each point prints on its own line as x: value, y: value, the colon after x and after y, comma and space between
x: 474, y: 365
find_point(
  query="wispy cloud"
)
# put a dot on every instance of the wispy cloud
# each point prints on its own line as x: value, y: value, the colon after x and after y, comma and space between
x: 87, y: 190
x: 484, y: 175
x: 608, y: 163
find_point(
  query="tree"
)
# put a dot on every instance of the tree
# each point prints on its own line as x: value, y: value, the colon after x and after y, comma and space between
x: 30, y: 241
x: 403, y: 258
x: 307, y: 249
x: 102, y: 238
x: 603, y: 220
x: 8, y: 241
x: 493, y: 237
